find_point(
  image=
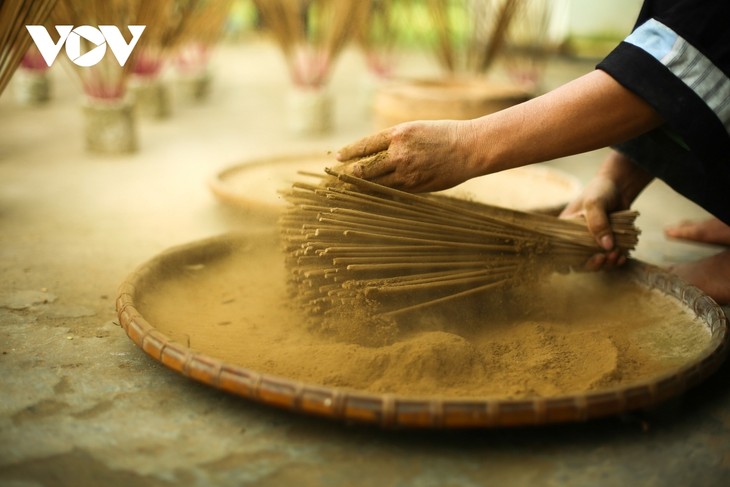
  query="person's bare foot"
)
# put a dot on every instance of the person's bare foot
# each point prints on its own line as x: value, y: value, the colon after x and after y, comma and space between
x: 711, y: 275
x: 712, y: 231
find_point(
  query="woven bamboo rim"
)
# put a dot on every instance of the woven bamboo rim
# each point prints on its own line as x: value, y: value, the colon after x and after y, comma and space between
x: 228, y: 194
x: 394, y: 411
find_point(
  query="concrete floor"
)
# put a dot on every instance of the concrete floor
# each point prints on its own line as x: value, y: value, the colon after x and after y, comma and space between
x: 80, y: 404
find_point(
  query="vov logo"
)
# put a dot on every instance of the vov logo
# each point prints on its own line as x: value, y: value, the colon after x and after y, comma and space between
x: 100, y: 38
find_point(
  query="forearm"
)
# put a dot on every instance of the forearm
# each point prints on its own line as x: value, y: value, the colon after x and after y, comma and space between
x: 591, y: 112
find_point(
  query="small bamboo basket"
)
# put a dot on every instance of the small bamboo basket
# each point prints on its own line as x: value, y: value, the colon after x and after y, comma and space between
x: 110, y: 126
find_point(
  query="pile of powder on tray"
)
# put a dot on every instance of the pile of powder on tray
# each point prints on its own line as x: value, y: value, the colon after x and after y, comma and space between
x: 572, y: 334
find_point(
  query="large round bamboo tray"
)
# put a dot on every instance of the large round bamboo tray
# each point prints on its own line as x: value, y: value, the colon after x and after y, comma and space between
x: 442, y: 99
x: 251, y: 187
x: 390, y: 410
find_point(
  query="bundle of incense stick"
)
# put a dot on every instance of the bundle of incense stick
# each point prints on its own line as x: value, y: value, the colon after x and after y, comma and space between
x: 470, y: 34
x: 107, y: 80
x: 202, y: 30
x: 180, y: 23
x: 377, y: 36
x: 351, y: 242
x: 14, y: 38
x: 527, y: 44
x: 162, y: 37
x: 312, y: 33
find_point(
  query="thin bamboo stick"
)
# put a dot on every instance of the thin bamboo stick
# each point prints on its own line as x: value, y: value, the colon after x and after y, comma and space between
x: 442, y: 300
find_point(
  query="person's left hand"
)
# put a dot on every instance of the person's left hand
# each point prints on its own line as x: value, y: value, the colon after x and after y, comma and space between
x: 599, y: 197
x: 413, y: 156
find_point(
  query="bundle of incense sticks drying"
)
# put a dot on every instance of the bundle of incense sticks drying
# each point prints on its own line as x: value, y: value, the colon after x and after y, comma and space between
x: 14, y: 38
x: 350, y: 242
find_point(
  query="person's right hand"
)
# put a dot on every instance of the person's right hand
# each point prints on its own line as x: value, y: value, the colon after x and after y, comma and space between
x: 413, y: 156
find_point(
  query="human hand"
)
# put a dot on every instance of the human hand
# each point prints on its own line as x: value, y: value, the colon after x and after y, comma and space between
x: 617, y: 183
x: 413, y: 156
x: 599, y: 197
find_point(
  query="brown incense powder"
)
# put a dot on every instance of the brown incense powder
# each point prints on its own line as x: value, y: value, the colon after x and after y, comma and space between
x: 570, y: 334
